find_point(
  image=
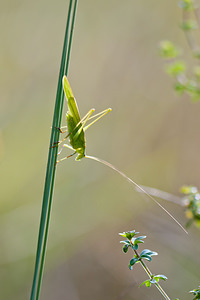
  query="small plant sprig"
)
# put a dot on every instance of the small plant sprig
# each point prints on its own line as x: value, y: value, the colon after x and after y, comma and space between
x: 191, y: 202
x: 132, y: 242
x: 185, y: 83
x: 196, y: 293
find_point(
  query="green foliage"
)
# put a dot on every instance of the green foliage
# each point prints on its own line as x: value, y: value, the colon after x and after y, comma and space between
x: 187, y: 5
x: 188, y: 189
x: 146, y: 254
x: 132, y: 241
x: 168, y: 50
x: 133, y: 261
x: 196, y: 293
x: 189, y: 25
x: 176, y: 68
x: 191, y: 202
x: 180, y: 88
x: 129, y: 234
x: 154, y: 279
x: 189, y: 82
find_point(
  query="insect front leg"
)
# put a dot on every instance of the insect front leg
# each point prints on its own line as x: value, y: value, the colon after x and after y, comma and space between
x: 67, y: 146
x: 60, y: 129
x: 56, y: 144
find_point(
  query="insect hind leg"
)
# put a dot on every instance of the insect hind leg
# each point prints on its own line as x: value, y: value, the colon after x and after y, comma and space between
x: 66, y: 157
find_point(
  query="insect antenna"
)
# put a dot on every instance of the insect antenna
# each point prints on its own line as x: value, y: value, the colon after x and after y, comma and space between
x: 136, y: 185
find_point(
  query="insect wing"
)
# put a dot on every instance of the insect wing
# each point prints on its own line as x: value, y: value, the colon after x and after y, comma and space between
x: 73, y: 110
x: 72, y: 104
x: 67, y: 88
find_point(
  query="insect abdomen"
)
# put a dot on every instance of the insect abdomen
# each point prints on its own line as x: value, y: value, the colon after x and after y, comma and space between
x: 76, y: 139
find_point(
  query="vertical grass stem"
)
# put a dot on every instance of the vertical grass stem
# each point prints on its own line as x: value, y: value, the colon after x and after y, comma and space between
x: 51, y: 164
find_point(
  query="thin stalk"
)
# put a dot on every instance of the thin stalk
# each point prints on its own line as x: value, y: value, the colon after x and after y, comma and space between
x: 49, y: 207
x: 189, y: 36
x: 150, y: 276
x: 135, y: 185
x: 51, y: 164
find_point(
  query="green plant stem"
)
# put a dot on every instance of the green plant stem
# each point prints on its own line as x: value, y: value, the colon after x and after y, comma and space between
x: 49, y: 207
x: 151, y: 275
x: 196, y: 13
x: 189, y: 36
x: 51, y: 164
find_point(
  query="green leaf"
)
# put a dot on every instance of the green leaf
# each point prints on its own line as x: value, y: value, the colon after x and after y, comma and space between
x: 129, y: 234
x: 133, y: 261
x: 140, y: 238
x: 153, y: 280
x: 147, y: 257
x: 146, y: 282
x: 179, y: 87
x: 127, y: 242
x: 134, y: 247
x: 168, y: 50
x: 189, y: 25
x: 188, y: 189
x: 137, y: 241
x: 163, y: 277
x: 193, y: 90
x: 187, y: 5
x: 148, y: 252
x: 123, y: 234
x: 196, y: 293
x: 125, y: 248
x: 176, y: 68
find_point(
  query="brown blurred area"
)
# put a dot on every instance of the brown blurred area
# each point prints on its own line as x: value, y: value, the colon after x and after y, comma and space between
x: 151, y: 134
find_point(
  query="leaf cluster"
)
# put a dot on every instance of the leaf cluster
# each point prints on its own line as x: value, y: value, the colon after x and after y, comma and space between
x: 145, y: 254
x: 196, y: 293
x: 187, y: 5
x: 186, y: 81
x: 154, y: 279
x: 191, y: 201
x: 131, y: 241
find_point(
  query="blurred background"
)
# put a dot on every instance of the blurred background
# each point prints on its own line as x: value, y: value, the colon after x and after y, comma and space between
x: 151, y: 134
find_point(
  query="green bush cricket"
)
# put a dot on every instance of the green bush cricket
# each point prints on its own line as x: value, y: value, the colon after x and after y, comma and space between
x: 76, y: 126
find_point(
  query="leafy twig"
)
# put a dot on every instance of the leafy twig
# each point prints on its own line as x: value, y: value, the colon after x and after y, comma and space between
x: 132, y: 242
